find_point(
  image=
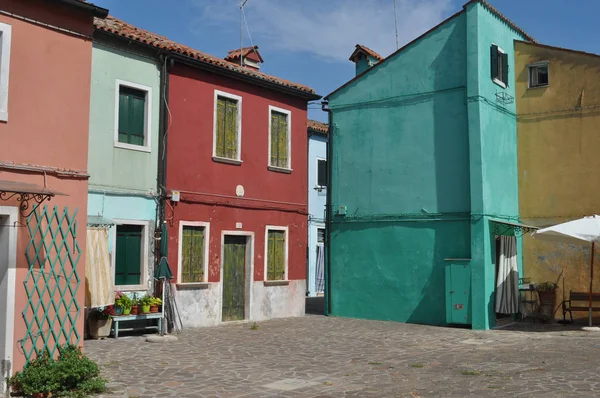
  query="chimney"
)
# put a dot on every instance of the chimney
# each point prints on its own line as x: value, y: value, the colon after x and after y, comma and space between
x: 364, y: 58
x: 248, y: 57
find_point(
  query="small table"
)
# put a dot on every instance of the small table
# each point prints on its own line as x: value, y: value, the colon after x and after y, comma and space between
x: 139, y: 317
x: 533, y: 300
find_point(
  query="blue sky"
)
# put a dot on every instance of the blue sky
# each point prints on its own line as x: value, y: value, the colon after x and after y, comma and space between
x: 309, y: 41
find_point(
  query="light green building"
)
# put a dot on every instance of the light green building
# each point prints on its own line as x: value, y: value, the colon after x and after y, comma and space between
x: 123, y: 154
x: 423, y: 174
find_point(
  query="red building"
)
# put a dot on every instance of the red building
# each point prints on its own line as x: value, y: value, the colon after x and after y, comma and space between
x: 237, y: 177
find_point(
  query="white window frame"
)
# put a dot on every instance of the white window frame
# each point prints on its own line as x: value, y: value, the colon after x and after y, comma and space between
x: 147, y: 147
x: 206, y: 226
x: 237, y: 98
x: 144, y: 257
x: 288, y: 113
x: 534, y: 65
x: 5, y: 40
x: 317, y: 174
x: 287, y: 245
x: 496, y: 80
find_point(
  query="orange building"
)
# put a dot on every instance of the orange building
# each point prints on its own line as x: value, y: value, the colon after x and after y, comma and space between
x: 45, y: 68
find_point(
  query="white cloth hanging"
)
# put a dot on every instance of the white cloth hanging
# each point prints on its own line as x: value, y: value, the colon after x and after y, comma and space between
x: 99, y: 287
x: 507, y: 283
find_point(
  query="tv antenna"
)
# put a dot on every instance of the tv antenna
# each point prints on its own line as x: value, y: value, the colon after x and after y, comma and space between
x: 242, y: 4
x: 395, y: 21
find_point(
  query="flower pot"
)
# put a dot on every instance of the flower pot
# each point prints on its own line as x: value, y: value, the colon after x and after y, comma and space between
x: 126, y: 311
x: 118, y: 310
x: 154, y: 308
x: 135, y: 310
x: 99, y: 326
x: 547, y: 298
x: 145, y: 309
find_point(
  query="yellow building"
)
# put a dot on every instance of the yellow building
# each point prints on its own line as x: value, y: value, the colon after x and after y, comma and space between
x: 558, y: 114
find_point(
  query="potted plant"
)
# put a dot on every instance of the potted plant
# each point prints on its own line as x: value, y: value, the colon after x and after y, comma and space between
x: 145, y: 303
x: 155, y: 302
x: 547, y: 292
x: 135, y: 306
x: 100, y: 321
x: 123, y: 302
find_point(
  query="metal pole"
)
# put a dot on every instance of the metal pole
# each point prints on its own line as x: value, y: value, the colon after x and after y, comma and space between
x: 241, y: 32
x: 396, y: 23
x: 591, y: 284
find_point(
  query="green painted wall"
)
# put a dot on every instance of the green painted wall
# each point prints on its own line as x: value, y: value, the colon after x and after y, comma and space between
x: 401, y: 154
x: 423, y: 157
x: 111, y: 168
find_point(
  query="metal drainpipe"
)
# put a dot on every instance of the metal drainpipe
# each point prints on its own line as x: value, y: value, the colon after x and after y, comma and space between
x: 327, y: 303
x: 164, y: 126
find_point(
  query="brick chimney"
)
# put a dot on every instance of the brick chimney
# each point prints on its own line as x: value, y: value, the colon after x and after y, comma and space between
x: 364, y: 58
x: 248, y: 57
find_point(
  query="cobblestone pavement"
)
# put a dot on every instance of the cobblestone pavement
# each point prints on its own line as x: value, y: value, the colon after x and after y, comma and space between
x: 316, y: 356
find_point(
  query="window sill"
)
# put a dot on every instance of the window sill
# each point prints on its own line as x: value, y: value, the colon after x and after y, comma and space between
x: 320, y: 188
x: 131, y: 288
x: 544, y: 86
x: 198, y: 285
x: 131, y: 147
x: 500, y: 83
x: 3, y: 116
x: 276, y: 283
x: 226, y: 160
x: 280, y: 169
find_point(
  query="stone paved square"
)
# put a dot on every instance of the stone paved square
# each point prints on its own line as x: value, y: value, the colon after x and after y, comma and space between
x: 316, y: 356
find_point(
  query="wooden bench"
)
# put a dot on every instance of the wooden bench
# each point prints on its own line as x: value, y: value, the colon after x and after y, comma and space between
x: 579, y: 301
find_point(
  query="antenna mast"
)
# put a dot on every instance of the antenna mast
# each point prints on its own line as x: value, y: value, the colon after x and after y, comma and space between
x: 242, y: 4
x: 395, y: 22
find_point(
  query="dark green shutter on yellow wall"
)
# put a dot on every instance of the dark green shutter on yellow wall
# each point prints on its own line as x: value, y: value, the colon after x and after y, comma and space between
x: 276, y: 256
x: 279, y: 140
x: 192, y: 255
x: 132, y: 115
x: 227, y: 128
x: 128, y: 255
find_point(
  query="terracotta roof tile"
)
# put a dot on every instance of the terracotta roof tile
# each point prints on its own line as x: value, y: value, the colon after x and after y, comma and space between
x: 366, y: 50
x: 123, y: 29
x: 242, y: 52
x: 319, y: 127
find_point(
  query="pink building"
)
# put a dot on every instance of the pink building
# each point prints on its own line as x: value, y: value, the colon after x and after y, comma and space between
x: 45, y: 66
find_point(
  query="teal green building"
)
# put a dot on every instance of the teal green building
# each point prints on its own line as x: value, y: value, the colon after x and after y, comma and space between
x: 423, y: 174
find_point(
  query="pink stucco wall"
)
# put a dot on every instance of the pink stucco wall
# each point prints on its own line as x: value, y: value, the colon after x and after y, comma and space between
x: 48, y: 120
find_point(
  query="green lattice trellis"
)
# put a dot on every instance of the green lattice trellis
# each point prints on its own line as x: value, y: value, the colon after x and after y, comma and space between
x: 52, y: 282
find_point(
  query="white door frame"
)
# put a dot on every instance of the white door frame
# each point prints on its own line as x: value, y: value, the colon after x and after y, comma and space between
x: 8, y: 296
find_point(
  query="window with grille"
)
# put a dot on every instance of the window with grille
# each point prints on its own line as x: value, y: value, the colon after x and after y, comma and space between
x: 538, y: 75
x: 276, y: 254
x: 499, y: 63
x: 128, y: 255
x: 320, y: 235
x: 279, y: 139
x: 227, y: 126
x: 192, y: 254
x: 133, y: 116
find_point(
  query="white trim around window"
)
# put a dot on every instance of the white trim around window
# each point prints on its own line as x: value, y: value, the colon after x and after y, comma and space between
x: 144, y: 257
x: 237, y: 98
x: 5, y: 39
x: 206, y: 226
x: 317, y: 172
x: 498, y: 81
x: 288, y: 113
x: 147, y: 147
x: 286, y: 256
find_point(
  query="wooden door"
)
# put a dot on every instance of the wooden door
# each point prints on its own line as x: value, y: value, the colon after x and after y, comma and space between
x: 234, y: 278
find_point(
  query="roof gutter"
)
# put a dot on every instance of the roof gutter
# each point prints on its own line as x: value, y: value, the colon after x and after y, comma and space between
x: 239, y: 76
x: 96, y: 11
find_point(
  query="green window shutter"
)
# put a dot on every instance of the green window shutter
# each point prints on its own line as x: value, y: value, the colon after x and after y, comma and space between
x: 322, y: 173
x: 192, y: 252
x: 132, y: 116
x: 128, y: 254
x: 279, y: 140
x: 227, y: 128
x: 505, y: 69
x: 276, y: 255
x: 494, y: 61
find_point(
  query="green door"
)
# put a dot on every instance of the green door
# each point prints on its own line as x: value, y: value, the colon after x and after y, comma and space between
x: 234, y: 278
x: 458, y: 293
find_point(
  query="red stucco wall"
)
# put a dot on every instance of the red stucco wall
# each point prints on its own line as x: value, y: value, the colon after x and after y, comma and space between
x: 209, y: 188
x: 48, y: 121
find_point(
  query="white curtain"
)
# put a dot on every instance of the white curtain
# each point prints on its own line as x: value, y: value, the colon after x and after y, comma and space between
x: 99, y: 288
x: 320, y: 277
x: 507, y: 283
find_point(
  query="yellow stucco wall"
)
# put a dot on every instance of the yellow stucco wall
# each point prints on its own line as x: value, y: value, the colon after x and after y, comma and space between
x: 559, y: 159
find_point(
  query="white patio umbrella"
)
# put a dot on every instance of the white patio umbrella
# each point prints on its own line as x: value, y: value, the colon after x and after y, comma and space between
x: 578, y: 232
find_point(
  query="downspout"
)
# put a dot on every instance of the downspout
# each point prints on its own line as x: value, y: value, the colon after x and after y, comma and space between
x: 328, y: 210
x: 309, y: 226
x: 165, y: 120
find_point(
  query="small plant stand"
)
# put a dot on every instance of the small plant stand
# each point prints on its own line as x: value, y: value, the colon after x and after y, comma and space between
x: 124, y: 318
